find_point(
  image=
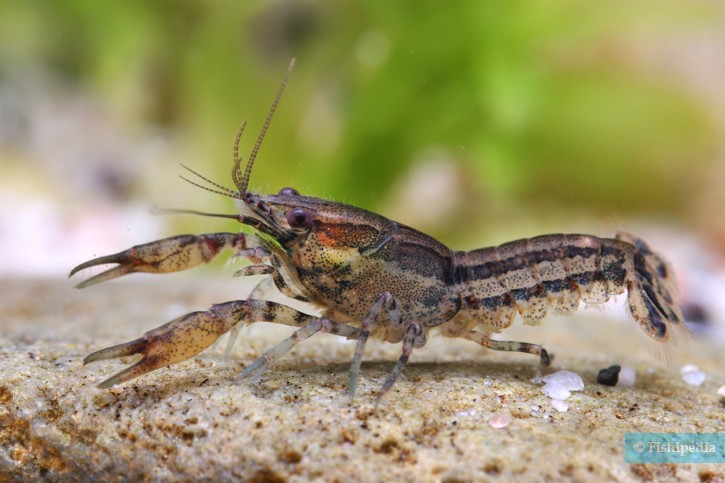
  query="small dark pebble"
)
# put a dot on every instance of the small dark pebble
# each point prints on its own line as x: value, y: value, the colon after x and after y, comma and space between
x: 695, y: 313
x: 609, y: 376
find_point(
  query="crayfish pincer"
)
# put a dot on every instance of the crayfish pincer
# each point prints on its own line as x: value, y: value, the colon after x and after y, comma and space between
x: 373, y: 277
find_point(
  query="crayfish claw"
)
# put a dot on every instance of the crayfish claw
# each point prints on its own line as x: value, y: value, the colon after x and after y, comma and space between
x: 109, y: 274
x: 125, y: 266
x: 126, y: 374
x: 121, y: 258
x: 163, y: 256
x: 138, y: 346
x: 172, y: 342
x: 121, y: 350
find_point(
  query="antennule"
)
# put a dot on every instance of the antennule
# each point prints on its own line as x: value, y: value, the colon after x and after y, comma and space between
x: 236, y: 171
x: 243, y: 183
x: 224, y: 190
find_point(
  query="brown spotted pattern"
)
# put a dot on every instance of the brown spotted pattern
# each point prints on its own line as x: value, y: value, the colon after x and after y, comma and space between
x: 371, y: 276
x: 553, y: 273
x: 347, y: 258
x: 458, y: 291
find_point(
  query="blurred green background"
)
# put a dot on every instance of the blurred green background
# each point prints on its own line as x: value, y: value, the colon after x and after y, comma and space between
x: 476, y: 121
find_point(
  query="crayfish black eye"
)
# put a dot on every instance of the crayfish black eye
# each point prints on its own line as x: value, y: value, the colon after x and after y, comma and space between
x: 299, y: 219
x: 289, y: 192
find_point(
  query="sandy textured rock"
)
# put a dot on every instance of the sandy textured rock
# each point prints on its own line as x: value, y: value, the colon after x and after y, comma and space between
x: 196, y: 420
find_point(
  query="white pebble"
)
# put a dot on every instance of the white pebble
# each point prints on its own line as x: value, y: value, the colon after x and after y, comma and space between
x: 568, y: 379
x: 466, y: 414
x: 559, y: 405
x: 692, y: 375
x: 688, y: 368
x: 555, y: 390
x: 499, y: 421
x: 627, y: 377
x: 694, y: 378
x: 721, y: 391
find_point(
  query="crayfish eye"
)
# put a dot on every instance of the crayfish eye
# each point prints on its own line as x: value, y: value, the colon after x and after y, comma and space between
x: 299, y: 219
x: 289, y: 192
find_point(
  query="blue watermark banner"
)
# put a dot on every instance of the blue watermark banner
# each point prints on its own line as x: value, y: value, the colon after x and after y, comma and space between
x: 674, y: 447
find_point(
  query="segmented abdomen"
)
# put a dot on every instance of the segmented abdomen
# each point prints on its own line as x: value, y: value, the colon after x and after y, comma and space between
x: 555, y: 272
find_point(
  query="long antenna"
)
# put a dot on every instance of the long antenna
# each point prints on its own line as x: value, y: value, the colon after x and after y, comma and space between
x: 243, y: 183
x: 173, y: 211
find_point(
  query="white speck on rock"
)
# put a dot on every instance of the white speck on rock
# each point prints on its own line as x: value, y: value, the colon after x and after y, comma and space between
x: 466, y: 413
x: 694, y: 378
x: 568, y: 379
x: 559, y: 405
x: 555, y: 390
x: 721, y: 391
x: 689, y: 368
x: 627, y: 376
x: 692, y: 375
x: 559, y: 384
x: 499, y: 421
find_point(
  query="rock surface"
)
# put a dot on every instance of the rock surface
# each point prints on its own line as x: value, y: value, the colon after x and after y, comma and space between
x: 195, y: 420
